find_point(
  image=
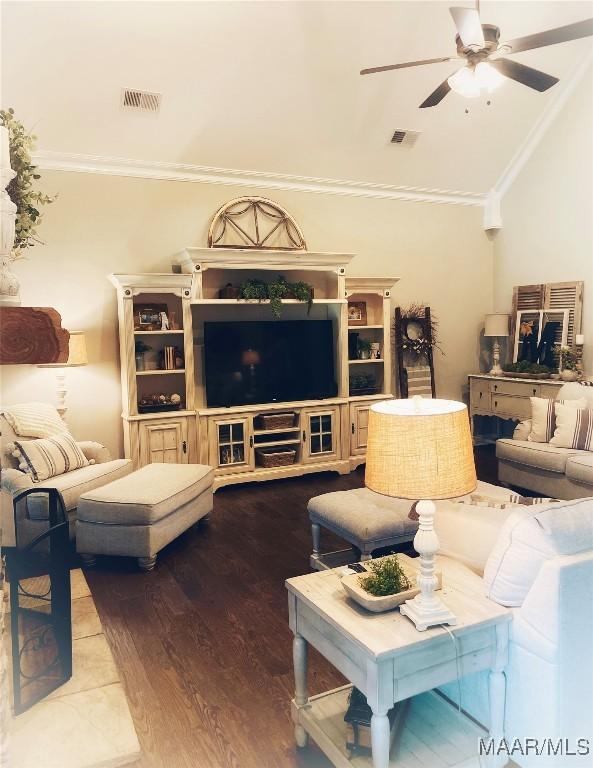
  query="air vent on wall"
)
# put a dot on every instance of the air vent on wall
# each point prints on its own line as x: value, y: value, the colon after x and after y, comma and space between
x: 140, y: 101
x: 404, y: 138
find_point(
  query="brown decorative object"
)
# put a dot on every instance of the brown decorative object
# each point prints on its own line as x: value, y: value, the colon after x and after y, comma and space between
x: 275, y: 421
x: 254, y: 220
x: 228, y: 292
x: 357, y: 313
x: 32, y: 336
x: 275, y: 457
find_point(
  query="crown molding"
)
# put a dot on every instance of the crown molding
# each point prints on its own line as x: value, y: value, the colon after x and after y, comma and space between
x: 539, y: 130
x: 199, y: 174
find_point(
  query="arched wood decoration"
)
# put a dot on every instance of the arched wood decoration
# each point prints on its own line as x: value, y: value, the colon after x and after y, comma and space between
x: 255, y: 222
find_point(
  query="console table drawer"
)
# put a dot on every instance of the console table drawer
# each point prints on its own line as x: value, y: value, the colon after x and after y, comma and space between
x: 509, y: 405
x: 515, y: 388
x: 480, y: 394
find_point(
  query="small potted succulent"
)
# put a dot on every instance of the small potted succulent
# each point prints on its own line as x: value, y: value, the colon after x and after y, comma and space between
x: 568, y: 363
x: 364, y: 349
x: 140, y: 350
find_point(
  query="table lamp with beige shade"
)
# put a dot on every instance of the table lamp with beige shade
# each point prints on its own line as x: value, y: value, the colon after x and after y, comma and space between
x: 497, y: 327
x: 421, y: 449
x: 77, y: 356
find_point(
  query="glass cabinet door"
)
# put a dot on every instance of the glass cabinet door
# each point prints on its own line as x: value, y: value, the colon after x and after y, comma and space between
x: 231, y: 447
x: 320, y: 434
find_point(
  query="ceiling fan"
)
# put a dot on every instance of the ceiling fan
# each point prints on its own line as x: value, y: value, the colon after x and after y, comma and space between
x: 485, y: 68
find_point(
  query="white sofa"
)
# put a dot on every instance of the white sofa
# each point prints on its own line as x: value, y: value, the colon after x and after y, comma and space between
x: 560, y: 473
x: 71, y: 484
x: 539, y: 561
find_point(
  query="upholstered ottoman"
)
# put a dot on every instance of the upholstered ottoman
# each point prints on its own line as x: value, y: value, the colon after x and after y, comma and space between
x: 138, y: 515
x: 366, y: 519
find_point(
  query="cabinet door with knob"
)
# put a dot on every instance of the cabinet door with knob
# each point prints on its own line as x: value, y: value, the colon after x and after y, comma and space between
x: 231, y: 444
x: 164, y: 442
x: 359, y: 427
x: 320, y: 433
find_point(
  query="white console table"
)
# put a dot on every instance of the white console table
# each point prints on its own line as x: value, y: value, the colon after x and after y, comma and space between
x: 387, y: 659
x: 506, y: 397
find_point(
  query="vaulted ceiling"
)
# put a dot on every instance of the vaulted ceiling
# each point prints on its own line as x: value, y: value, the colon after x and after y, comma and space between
x: 274, y: 86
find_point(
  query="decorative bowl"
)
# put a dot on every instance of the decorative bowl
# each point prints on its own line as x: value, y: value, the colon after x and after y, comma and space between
x: 371, y: 602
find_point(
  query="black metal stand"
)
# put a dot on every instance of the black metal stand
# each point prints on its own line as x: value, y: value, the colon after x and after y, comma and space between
x: 40, y: 600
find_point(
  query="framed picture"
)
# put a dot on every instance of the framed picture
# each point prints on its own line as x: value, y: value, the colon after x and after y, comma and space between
x: 150, y: 317
x: 537, y: 332
x: 357, y: 313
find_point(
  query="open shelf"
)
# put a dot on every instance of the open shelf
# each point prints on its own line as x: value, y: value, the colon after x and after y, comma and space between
x: 160, y: 372
x: 275, y: 431
x: 156, y: 333
x: 364, y: 327
x: 364, y: 362
x: 274, y: 443
x: 266, y: 301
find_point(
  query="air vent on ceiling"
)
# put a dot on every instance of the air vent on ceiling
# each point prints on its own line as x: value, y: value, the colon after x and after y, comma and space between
x: 140, y: 101
x: 404, y: 138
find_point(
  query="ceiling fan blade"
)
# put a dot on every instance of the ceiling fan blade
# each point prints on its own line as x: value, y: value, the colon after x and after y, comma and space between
x: 371, y: 70
x: 528, y: 76
x: 551, y: 36
x: 467, y: 21
x: 436, y: 96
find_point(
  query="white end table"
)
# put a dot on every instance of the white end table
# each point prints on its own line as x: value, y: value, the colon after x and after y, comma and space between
x: 386, y: 658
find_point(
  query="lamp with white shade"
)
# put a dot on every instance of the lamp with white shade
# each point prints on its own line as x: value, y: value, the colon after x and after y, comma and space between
x: 496, y: 326
x: 77, y: 356
x: 421, y: 449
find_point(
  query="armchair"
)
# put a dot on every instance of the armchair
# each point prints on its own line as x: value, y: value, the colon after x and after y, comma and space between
x: 71, y: 484
x: 539, y: 561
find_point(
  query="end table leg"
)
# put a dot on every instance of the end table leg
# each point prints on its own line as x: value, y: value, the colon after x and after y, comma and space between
x: 316, y: 534
x: 380, y: 737
x: 301, y: 695
x: 497, y: 693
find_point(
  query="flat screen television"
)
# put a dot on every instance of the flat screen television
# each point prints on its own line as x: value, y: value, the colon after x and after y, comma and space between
x: 268, y: 361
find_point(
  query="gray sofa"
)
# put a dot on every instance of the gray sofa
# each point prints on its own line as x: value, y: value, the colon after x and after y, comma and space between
x: 560, y: 473
x: 71, y: 485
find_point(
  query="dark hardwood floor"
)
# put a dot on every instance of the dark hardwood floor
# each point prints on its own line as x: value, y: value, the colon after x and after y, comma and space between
x: 202, y: 642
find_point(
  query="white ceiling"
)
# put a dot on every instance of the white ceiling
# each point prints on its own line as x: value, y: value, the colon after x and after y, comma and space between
x: 274, y: 86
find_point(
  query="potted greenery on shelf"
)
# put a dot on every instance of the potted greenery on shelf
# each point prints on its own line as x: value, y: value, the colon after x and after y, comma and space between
x: 256, y: 290
x: 140, y: 349
x: 567, y: 363
x: 364, y: 349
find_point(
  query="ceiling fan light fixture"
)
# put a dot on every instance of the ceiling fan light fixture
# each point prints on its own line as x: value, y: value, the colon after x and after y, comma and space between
x: 488, y: 77
x: 464, y: 83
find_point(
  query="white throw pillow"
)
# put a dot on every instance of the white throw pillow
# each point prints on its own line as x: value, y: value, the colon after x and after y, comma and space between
x: 49, y: 457
x: 574, y: 429
x: 35, y: 420
x: 543, y: 417
x: 530, y: 536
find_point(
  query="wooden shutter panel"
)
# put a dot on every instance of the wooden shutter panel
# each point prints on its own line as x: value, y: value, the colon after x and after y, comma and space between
x: 566, y: 296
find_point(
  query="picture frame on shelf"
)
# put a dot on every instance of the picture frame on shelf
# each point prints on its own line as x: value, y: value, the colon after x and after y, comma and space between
x: 151, y: 317
x: 357, y: 313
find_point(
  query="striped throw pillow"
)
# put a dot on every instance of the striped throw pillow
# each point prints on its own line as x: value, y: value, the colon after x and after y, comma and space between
x: 574, y: 428
x: 35, y: 420
x: 50, y: 456
x: 543, y: 417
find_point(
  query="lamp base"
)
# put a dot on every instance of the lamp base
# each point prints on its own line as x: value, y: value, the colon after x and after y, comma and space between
x: 424, y: 618
x: 496, y: 370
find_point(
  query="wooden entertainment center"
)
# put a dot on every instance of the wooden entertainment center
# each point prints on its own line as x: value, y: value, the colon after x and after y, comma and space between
x: 322, y: 435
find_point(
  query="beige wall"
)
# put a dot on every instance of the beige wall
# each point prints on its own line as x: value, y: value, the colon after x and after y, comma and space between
x: 547, y: 232
x: 103, y: 224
